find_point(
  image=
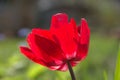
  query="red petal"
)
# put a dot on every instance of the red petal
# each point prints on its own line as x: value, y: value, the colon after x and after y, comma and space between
x: 49, y: 47
x: 75, y: 29
x: 64, y: 33
x: 44, y: 39
x: 82, y: 52
x: 32, y: 44
x: 46, y: 49
x: 84, y: 32
x: 48, y: 63
x: 29, y: 54
x: 63, y: 67
x: 42, y: 33
x: 59, y: 18
x: 83, y: 43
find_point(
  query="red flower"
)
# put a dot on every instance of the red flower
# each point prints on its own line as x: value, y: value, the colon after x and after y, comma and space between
x: 62, y: 43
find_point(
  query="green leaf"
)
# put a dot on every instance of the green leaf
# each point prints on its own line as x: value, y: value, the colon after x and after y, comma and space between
x: 105, y: 75
x: 117, y: 70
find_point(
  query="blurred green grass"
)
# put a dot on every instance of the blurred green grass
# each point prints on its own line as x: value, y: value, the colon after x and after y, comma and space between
x: 117, y: 69
x: 101, y: 56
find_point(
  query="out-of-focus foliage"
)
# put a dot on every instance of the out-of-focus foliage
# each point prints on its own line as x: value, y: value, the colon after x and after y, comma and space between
x: 117, y: 70
x: 105, y: 75
x: 102, y: 15
x: 102, y: 54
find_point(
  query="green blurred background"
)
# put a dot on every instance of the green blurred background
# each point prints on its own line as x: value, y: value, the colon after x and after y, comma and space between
x: 18, y: 17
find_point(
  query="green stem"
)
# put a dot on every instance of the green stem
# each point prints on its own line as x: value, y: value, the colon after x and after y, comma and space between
x: 71, y: 70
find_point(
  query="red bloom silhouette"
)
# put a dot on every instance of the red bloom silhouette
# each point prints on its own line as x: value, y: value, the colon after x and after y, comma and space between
x: 64, y: 42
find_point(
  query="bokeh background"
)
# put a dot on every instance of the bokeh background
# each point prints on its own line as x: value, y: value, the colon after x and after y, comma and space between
x: 18, y: 17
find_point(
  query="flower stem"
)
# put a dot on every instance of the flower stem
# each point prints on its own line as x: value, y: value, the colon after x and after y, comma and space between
x: 71, y: 70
